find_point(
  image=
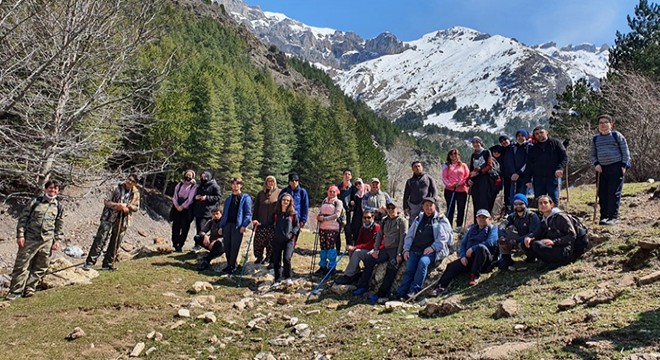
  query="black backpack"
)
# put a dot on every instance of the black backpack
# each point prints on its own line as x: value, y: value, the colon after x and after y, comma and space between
x: 495, y: 174
x: 581, y: 237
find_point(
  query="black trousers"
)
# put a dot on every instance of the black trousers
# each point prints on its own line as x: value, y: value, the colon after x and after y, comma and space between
x: 384, y: 255
x: 482, y: 195
x: 282, y: 254
x: 180, y: 227
x: 609, y: 191
x: 217, y: 249
x: 554, y: 255
x: 200, y: 223
x: 460, y: 199
x: 232, y: 239
x: 479, y: 262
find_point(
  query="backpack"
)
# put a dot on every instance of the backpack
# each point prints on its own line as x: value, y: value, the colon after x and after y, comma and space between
x: 342, y: 217
x: 38, y: 200
x: 495, y: 174
x: 581, y: 236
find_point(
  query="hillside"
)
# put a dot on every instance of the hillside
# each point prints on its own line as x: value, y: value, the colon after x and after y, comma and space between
x: 139, y: 303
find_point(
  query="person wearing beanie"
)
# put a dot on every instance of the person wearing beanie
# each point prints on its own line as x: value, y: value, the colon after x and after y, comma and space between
x: 546, y: 162
x: 611, y: 158
x: 512, y: 231
x: 515, y: 164
x: 482, y: 190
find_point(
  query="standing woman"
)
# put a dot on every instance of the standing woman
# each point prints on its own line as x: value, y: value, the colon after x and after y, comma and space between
x: 329, y: 230
x: 265, y: 206
x: 361, y: 189
x: 480, y: 164
x: 286, y: 226
x: 455, y: 175
x: 181, y: 215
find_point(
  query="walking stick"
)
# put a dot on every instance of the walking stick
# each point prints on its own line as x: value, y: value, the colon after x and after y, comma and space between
x: 316, y: 289
x: 247, y: 253
x: 566, y: 174
x: 314, y: 248
x: 467, y: 206
x: 120, y: 224
x: 64, y: 268
x: 596, y: 201
x: 431, y: 285
x: 451, y: 202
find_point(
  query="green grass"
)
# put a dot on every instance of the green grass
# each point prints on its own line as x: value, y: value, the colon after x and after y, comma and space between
x: 120, y: 308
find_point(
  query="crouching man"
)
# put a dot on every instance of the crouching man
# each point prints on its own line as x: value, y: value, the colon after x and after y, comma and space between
x: 427, y: 241
x: 211, y: 239
x: 38, y: 232
x: 513, y: 230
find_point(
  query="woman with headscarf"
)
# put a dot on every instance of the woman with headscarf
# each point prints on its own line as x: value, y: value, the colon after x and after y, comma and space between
x: 265, y: 206
x: 181, y: 214
x: 329, y: 227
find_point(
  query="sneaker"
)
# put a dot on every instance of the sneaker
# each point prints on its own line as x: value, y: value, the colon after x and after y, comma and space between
x: 196, y: 248
x: 474, y: 280
x: 226, y: 270
x: 320, y: 271
x: 13, y: 296
x: 277, y: 283
x: 603, y: 221
x: 438, y: 291
x: 289, y: 282
x: 373, y: 298
x: 87, y: 266
x: 612, y: 221
x: 360, y: 291
x: 28, y: 293
x: 108, y: 268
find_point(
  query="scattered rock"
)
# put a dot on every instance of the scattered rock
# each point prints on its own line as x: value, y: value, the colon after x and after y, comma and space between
x: 158, y: 336
x: 200, y: 286
x: 202, y: 301
x: 159, y: 240
x: 312, y: 312
x: 393, y: 305
x: 282, y: 341
x: 137, y: 350
x: 342, y: 289
x: 648, y: 356
x: 449, y: 306
x: 154, y: 250
x: 508, y: 308
x: 265, y: 356
x: 604, y: 296
x: 592, y: 315
x: 208, y: 317
x: 519, y: 327
x: 600, y: 344
x: 4, y: 304
x: 71, y: 276
x: 183, y: 313
x: 302, y: 330
x: 177, y: 324
x: 567, y: 304
x: 151, y: 335
x: 73, y: 251
x: 149, y: 351
x: 282, y: 300
x: 75, y: 334
x: 504, y: 351
x: 649, y: 244
x: 648, y: 279
x: 292, y: 322
x: 243, y: 304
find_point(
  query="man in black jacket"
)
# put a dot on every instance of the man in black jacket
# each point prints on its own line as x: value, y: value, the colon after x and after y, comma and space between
x: 546, y: 162
x: 516, y: 162
x: 207, y: 198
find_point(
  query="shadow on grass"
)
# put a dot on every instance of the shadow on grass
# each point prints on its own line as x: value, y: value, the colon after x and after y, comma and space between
x: 644, y: 332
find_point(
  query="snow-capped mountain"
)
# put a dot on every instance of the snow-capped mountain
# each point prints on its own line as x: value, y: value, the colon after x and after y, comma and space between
x: 459, y: 78
x: 322, y: 46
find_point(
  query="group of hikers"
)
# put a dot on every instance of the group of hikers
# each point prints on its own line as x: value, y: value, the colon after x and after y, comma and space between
x: 374, y: 228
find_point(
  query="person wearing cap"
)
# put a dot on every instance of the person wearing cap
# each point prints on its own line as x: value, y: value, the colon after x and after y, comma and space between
x: 455, y: 175
x: 427, y: 241
x: 546, y: 162
x: 300, y: 198
x: 388, y: 248
x: 375, y: 200
x: 520, y: 223
x: 181, y: 213
x: 611, y: 158
x: 237, y: 217
x: 516, y: 162
x: 362, y: 250
x: 476, y: 256
x: 361, y: 189
x: 418, y: 187
x: 482, y: 189
x: 346, y: 193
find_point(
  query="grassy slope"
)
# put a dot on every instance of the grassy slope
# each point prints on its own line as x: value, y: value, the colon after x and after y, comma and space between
x: 120, y: 308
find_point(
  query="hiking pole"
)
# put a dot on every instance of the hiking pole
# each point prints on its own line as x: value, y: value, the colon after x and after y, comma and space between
x: 467, y: 206
x: 64, y: 268
x: 596, y: 201
x: 314, y: 248
x: 330, y: 270
x: 120, y: 224
x: 420, y: 292
x: 451, y: 202
x: 247, y: 253
x: 566, y: 174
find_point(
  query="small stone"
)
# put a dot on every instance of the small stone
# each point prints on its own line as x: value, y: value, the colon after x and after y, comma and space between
x: 202, y: 301
x: 158, y: 240
x: 292, y: 322
x: 213, y: 339
x: 75, y: 334
x: 447, y: 307
x: 604, y: 296
x: 519, y: 327
x: 508, y: 308
x: 149, y: 351
x: 183, y: 313
x: 169, y: 294
x: 592, y: 315
x: 211, y: 349
x: 312, y: 312
x: 567, y: 304
x: 342, y: 289
x: 282, y: 341
x: 151, y: 335
x: 282, y: 300
x: 649, y: 244
x: 208, y: 317
x: 137, y: 350
x: 394, y: 305
x: 177, y: 324
x: 158, y: 337
x: 265, y: 356
x: 649, y: 279
x: 200, y: 286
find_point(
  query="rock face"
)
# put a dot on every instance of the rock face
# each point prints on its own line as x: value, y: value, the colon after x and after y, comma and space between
x: 508, y: 308
x: 70, y: 276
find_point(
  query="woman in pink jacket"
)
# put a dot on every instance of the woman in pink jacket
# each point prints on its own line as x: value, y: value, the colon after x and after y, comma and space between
x: 455, y: 175
x: 329, y: 230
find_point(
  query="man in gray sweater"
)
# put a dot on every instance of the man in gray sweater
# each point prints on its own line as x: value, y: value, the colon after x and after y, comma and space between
x: 388, y: 248
x: 418, y: 187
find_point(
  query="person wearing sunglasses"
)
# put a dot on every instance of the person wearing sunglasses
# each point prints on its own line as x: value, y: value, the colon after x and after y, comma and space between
x: 512, y: 231
x: 362, y: 250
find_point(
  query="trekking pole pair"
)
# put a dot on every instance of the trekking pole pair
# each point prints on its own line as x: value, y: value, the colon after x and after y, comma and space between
x: 314, y: 250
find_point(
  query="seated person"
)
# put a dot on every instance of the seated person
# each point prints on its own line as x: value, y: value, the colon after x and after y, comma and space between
x: 513, y: 230
x: 427, y: 241
x: 554, y: 241
x: 388, y: 248
x: 477, y: 254
x: 211, y: 239
x: 362, y: 248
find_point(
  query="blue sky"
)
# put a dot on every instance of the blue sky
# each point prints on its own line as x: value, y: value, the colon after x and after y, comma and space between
x: 530, y: 21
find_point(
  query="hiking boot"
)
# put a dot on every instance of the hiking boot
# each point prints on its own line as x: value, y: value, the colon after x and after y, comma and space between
x: 373, y: 298
x: 87, y: 266
x: 360, y: 291
x: 288, y: 282
x: 196, y: 248
x: 13, y: 296
x: 612, y: 221
x: 277, y: 283
x: 28, y: 293
x: 438, y: 291
x: 226, y: 270
x: 474, y: 280
x: 178, y: 249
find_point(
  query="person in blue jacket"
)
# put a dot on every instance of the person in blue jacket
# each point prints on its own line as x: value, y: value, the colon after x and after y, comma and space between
x: 237, y: 216
x: 300, y: 198
x: 477, y: 254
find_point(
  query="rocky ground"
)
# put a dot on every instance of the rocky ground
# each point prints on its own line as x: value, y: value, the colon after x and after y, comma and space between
x: 603, y: 306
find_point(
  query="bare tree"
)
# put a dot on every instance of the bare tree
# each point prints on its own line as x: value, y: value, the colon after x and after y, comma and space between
x: 67, y: 89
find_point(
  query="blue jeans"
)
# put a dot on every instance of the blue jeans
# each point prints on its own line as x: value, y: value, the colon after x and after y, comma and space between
x: 416, y: 270
x: 547, y: 186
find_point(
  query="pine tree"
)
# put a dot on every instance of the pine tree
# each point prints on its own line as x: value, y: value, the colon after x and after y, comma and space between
x: 248, y: 113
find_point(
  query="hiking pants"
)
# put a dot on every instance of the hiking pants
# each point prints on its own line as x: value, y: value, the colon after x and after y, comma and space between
x: 31, y: 265
x: 610, y: 186
x: 106, y: 229
x: 232, y: 239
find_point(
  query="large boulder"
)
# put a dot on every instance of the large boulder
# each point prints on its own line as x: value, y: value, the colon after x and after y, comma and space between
x: 61, y: 272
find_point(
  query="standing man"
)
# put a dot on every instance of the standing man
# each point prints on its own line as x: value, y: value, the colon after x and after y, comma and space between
x: 207, y: 198
x: 300, y: 198
x: 515, y: 163
x: 611, y: 158
x: 38, y: 232
x: 237, y: 216
x: 346, y: 193
x: 123, y: 201
x: 376, y: 200
x: 546, y: 162
x: 418, y: 187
